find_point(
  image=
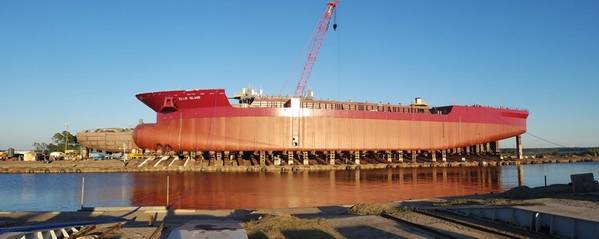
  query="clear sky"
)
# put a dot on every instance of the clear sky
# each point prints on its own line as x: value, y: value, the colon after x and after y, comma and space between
x: 82, y: 62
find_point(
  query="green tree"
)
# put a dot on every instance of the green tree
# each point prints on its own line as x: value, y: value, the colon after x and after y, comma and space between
x: 40, y: 147
x: 58, y: 142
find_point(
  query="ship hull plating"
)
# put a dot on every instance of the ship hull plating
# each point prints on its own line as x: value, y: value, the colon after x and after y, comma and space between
x: 200, y: 127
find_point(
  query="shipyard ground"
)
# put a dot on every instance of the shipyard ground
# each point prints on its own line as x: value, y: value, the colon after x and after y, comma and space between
x: 172, y: 164
x: 430, y: 218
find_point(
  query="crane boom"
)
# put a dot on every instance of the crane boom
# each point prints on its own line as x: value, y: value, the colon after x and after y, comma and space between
x: 315, y: 44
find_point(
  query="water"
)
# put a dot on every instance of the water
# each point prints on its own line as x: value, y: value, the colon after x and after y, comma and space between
x: 49, y: 192
x: 534, y: 174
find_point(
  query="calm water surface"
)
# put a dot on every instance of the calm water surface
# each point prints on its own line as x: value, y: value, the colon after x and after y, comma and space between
x: 43, y: 192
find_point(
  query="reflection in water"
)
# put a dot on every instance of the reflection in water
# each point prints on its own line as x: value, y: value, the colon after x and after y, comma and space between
x: 243, y: 190
x: 42, y: 192
x: 520, y: 175
x: 277, y: 190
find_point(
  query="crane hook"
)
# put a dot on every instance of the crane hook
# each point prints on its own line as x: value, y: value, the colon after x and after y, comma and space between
x: 334, y: 22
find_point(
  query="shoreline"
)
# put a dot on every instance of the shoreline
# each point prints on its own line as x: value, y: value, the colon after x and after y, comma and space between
x: 445, y: 217
x: 115, y: 166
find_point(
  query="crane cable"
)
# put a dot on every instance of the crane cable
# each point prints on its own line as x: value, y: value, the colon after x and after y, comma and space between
x: 546, y: 140
x: 338, y: 54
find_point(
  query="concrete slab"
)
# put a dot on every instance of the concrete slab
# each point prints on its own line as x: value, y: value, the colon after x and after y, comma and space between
x: 210, y: 228
x: 375, y: 227
x: 587, y: 210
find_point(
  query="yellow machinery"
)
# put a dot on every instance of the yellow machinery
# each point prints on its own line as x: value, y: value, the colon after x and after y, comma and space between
x: 134, y: 156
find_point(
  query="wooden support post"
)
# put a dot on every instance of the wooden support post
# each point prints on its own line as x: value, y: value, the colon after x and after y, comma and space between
x: 305, y: 158
x: 290, y: 157
x: 389, y: 157
x: 414, y: 155
x: 357, y: 157
x: 219, y: 159
x: 434, y: 155
x: 444, y: 155
x: 488, y: 145
x: 211, y: 158
x: 468, y: 150
x: 262, y: 158
x: 227, y: 158
x: 331, y: 157
x: 400, y: 153
x: 240, y: 158
x: 519, y: 153
x: 277, y: 160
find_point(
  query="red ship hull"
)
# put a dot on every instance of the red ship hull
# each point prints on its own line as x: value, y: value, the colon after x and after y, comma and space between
x: 204, y: 120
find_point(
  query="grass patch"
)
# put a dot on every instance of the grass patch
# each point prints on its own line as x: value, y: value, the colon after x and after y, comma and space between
x: 364, y: 209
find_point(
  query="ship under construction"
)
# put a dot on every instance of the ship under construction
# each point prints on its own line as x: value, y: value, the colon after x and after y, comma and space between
x: 301, y: 129
x: 206, y: 123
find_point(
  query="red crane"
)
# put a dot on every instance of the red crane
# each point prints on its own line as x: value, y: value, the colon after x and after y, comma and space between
x: 317, y: 39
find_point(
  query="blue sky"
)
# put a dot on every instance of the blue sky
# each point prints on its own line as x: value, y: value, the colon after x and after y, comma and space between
x: 82, y: 62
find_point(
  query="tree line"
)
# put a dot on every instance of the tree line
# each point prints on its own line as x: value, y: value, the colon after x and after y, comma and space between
x: 58, y: 142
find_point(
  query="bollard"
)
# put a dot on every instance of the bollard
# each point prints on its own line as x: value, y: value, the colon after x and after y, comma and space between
x: 82, y: 191
x: 167, y: 189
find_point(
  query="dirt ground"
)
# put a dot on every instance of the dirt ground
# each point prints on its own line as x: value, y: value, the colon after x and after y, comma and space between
x: 288, y: 226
